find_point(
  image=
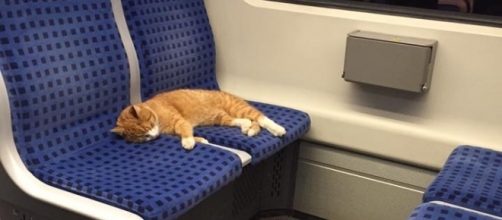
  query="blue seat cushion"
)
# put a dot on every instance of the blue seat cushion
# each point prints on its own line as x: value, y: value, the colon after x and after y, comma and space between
x: 471, y: 178
x: 432, y: 211
x: 156, y: 180
x: 264, y: 144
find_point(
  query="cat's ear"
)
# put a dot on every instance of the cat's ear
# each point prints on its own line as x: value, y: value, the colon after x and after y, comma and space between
x: 135, y: 111
x: 118, y: 130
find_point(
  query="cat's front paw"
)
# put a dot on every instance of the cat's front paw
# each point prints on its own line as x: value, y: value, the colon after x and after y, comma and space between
x: 201, y: 140
x: 253, y: 130
x: 188, y: 143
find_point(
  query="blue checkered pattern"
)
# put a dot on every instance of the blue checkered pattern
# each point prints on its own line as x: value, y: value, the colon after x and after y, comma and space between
x: 66, y: 73
x: 67, y: 78
x: 471, y: 178
x: 174, y: 44
x: 157, y: 180
x: 175, y: 47
x: 264, y: 144
x: 431, y: 211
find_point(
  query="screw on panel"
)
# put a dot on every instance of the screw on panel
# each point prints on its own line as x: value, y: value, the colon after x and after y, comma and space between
x: 425, y: 87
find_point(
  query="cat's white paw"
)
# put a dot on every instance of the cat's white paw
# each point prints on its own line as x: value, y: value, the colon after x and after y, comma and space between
x: 244, y: 123
x: 201, y: 140
x: 277, y: 131
x: 253, y: 131
x: 188, y: 143
x: 272, y: 127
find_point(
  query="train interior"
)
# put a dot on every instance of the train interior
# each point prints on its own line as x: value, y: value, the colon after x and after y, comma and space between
x: 369, y: 109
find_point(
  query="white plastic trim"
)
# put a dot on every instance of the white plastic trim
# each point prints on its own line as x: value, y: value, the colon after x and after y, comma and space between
x: 244, y: 156
x: 132, y: 56
x: 465, y: 209
x: 17, y: 171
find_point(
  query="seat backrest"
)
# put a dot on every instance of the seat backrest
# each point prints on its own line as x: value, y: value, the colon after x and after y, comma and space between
x: 66, y: 73
x: 174, y: 43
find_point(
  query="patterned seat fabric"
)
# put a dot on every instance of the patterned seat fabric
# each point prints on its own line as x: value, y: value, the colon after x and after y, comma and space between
x: 264, y: 144
x: 174, y: 44
x: 157, y: 180
x: 432, y: 211
x: 67, y: 78
x: 175, y: 48
x: 471, y: 178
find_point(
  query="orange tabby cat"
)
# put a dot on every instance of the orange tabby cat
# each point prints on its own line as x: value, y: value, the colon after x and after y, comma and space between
x: 177, y: 112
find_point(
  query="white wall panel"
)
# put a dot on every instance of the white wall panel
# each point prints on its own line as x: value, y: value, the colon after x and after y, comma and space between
x: 293, y: 55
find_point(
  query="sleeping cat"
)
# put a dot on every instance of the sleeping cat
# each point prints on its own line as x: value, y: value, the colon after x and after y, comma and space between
x: 177, y: 112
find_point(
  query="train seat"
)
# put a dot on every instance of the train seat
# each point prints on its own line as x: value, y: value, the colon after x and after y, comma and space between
x: 471, y: 178
x: 468, y: 187
x: 437, y: 211
x: 67, y: 77
x: 175, y: 47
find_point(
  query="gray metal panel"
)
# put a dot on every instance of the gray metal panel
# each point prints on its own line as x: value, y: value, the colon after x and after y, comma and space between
x: 337, y: 195
x: 341, y: 185
x: 402, y: 174
x: 389, y: 61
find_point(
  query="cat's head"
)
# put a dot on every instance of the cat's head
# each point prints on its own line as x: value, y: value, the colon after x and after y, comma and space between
x: 137, y: 124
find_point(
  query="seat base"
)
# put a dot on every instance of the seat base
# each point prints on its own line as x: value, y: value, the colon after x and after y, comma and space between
x: 268, y: 185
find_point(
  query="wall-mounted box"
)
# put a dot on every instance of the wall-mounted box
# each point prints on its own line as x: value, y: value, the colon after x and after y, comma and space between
x: 397, y: 62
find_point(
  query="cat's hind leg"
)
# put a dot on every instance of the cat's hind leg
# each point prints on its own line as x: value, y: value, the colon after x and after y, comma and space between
x: 241, y: 109
x: 258, y: 120
x: 271, y: 126
x: 247, y: 126
x: 243, y: 123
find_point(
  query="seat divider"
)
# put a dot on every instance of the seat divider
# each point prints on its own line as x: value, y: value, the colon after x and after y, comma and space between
x: 132, y: 57
x: 243, y: 156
